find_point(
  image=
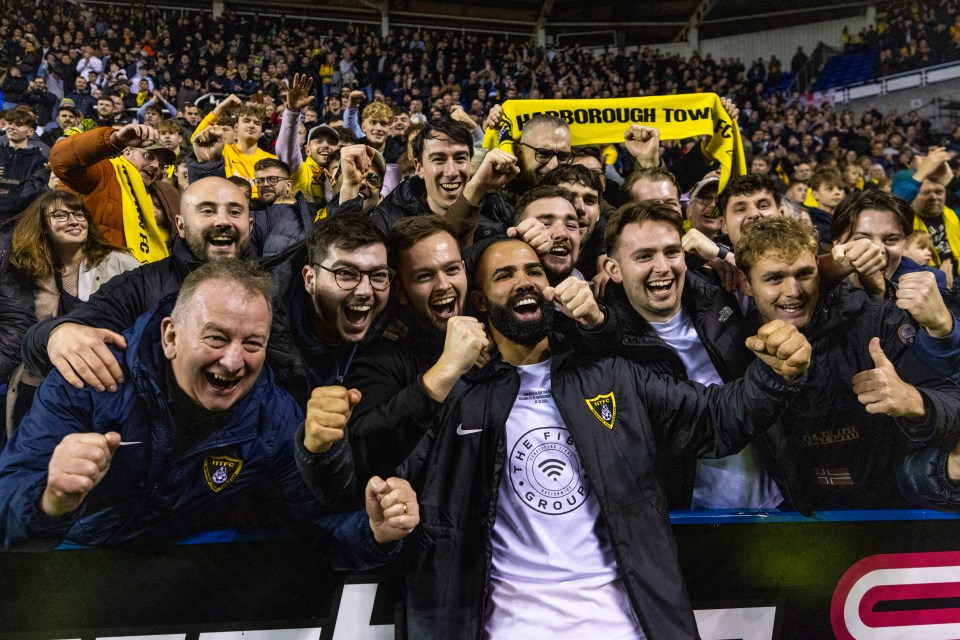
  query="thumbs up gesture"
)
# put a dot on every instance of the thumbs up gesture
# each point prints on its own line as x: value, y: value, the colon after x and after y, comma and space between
x: 881, y: 390
x: 328, y: 412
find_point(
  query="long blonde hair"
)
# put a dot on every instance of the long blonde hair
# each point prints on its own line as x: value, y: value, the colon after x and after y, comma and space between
x: 32, y: 250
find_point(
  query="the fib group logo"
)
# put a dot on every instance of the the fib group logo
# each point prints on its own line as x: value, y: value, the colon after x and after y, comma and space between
x: 546, y: 471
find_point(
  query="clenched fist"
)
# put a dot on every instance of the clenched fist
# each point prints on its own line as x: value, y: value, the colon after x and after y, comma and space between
x: 328, y: 412
x: 782, y: 347
x: 77, y: 466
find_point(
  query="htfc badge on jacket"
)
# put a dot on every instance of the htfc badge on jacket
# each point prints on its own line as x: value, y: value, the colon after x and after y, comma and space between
x: 604, y: 408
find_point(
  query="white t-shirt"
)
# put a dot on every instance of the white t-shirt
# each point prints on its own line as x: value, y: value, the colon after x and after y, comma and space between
x: 736, y: 482
x: 554, y: 574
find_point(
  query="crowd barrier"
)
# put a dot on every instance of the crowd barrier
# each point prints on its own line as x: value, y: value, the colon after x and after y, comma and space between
x: 849, y: 575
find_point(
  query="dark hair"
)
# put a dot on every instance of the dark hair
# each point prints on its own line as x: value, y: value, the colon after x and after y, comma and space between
x: 639, y: 213
x: 651, y: 174
x: 540, y: 193
x: 574, y: 174
x: 240, y: 181
x: 745, y: 185
x: 412, y: 229
x: 272, y: 163
x: 848, y: 211
x: 242, y: 274
x: 448, y: 127
x: 589, y: 151
x: 344, y: 232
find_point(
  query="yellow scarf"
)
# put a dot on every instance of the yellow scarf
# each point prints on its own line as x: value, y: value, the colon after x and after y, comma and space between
x: 951, y: 226
x: 604, y: 121
x: 146, y: 241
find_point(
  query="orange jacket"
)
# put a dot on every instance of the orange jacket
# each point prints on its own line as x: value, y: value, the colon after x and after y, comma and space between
x: 82, y: 162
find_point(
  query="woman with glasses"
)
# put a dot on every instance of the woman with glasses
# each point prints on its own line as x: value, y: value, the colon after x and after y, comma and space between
x: 53, y: 259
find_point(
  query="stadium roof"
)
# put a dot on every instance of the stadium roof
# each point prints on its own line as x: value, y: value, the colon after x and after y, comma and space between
x: 589, y: 22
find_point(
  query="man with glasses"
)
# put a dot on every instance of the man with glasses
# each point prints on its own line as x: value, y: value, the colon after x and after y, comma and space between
x: 544, y: 145
x: 272, y: 179
x: 324, y: 318
x: 115, y: 189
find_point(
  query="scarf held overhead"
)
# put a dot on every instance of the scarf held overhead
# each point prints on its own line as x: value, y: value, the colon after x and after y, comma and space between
x: 146, y: 241
x: 604, y: 121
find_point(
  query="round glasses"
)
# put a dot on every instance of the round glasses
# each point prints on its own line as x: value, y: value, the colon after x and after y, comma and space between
x: 349, y: 278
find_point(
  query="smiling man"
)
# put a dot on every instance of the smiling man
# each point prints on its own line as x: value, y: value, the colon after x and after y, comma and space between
x: 214, y: 223
x: 327, y: 314
x: 443, y: 185
x: 678, y: 322
x: 544, y: 145
x: 843, y: 440
x: 503, y: 551
x: 199, y: 428
x: 399, y: 379
x: 555, y: 208
x: 127, y: 198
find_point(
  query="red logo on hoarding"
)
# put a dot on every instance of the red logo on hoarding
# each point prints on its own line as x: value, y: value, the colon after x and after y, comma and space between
x: 899, y: 581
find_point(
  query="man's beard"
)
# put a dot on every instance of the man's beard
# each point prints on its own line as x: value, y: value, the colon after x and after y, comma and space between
x: 526, y: 333
x: 200, y: 245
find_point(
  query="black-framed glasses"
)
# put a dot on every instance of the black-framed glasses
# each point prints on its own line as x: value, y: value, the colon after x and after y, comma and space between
x: 270, y: 180
x: 64, y: 215
x: 543, y: 156
x: 349, y: 278
x: 374, y: 179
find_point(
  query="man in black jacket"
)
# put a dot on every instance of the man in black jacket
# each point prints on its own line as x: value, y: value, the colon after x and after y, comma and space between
x: 441, y: 345
x: 400, y: 380
x: 443, y: 185
x: 678, y: 322
x: 536, y: 479
x: 214, y: 221
x: 871, y: 400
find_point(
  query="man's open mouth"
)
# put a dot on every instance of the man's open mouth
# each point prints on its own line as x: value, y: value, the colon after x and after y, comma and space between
x: 222, y: 239
x: 660, y: 287
x: 560, y: 250
x: 527, y: 307
x: 356, y: 314
x: 221, y: 381
x: 451, y: 187
x: 445, y: 307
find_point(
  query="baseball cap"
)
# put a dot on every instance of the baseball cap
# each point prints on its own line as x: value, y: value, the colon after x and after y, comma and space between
x: 70, y: 106
x: 700, y: 186
x: 323, y: 130
x: 167, y: 156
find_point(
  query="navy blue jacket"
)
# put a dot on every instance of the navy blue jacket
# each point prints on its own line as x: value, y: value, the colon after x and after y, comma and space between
x: 23, y: 177
x: 158, y: 491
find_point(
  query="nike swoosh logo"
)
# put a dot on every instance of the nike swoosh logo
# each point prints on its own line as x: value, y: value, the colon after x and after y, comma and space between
x: 465, y: 432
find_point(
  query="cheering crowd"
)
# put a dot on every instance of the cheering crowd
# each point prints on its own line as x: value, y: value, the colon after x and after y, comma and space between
x: 312, y: 303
